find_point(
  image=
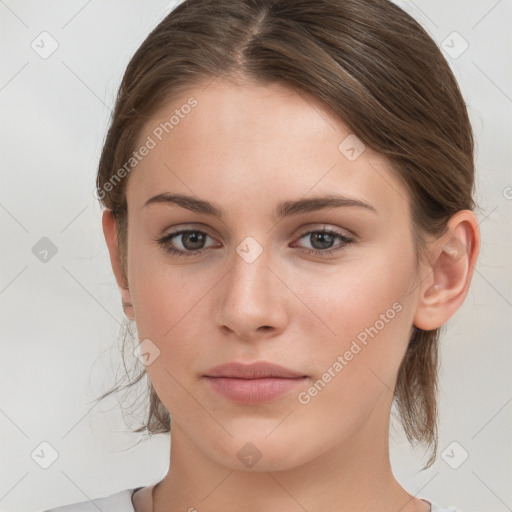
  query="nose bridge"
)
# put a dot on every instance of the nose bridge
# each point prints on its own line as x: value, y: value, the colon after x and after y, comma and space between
x: 249, y: 280
x: 250, y: 298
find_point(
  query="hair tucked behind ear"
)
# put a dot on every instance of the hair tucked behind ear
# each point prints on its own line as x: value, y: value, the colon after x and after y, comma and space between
x: 368, y: 60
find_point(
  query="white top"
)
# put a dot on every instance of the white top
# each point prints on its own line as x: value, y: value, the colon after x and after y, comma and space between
x: 122, y: 502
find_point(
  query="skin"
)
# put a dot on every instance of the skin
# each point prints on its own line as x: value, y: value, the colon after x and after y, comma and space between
x: 247, y: 148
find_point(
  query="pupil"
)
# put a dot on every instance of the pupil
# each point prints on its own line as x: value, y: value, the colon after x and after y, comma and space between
x: 322, y: 237
x: 196, y: 239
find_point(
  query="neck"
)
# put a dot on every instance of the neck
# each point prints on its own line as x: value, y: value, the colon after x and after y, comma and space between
x: 354, y: 475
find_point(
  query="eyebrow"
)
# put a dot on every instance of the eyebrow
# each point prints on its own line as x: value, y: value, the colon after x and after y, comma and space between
x: 284, y: 209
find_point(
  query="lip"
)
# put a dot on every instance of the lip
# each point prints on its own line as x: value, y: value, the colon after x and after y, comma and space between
x: 254, y: 383
x: 258, y: 370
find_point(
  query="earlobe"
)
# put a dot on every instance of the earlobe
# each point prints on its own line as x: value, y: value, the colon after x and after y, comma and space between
x: 444, y: 289
x: 110, y: 233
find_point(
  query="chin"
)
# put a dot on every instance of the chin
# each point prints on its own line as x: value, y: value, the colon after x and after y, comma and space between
x: 258, y: 453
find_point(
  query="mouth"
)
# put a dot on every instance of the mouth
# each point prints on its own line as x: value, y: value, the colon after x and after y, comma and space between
x: 255, y: 383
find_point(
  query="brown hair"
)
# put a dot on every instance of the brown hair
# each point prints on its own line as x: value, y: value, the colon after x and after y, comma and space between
x: 374, y: 65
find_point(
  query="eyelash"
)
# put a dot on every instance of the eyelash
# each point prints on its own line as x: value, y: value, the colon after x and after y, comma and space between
x: 164, y: 242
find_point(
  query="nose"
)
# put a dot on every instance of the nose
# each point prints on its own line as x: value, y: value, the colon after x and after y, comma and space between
x: 252, y: 300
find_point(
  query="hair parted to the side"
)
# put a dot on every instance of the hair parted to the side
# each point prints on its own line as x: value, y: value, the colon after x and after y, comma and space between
x: 368, y: 60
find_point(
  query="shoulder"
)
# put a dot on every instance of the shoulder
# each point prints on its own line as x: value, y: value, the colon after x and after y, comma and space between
x: 118, y: 502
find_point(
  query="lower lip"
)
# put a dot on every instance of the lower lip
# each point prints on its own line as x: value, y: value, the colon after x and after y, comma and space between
x: 254, y: 391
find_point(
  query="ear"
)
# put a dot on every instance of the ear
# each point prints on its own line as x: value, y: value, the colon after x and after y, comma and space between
x: 454, y: 257
x: 110, y: 233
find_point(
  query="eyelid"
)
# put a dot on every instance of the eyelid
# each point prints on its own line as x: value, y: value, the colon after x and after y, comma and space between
x: 188, y: 227
x: 178, y: 231
x: 303, y: 230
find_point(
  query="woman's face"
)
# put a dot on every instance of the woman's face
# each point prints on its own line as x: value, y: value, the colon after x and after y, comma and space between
x: 249, y: 287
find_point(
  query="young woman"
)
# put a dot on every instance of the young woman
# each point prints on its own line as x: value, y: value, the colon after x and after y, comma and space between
x: 288, y: 208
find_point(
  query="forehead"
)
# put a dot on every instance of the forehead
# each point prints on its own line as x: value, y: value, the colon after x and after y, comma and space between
x: 253, y: 141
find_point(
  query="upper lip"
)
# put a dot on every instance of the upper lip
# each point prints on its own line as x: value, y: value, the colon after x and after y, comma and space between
x: 258, y: 370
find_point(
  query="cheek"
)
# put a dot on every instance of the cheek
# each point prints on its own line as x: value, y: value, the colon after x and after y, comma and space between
x: 366, y: 310
x: 170, y: 311
x: 170, y: 306
x: 356, y: 294
x: 356, y: 368
x: 162, y: 294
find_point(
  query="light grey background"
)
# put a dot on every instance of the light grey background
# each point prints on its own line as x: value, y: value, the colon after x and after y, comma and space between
x: 60, y: 320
